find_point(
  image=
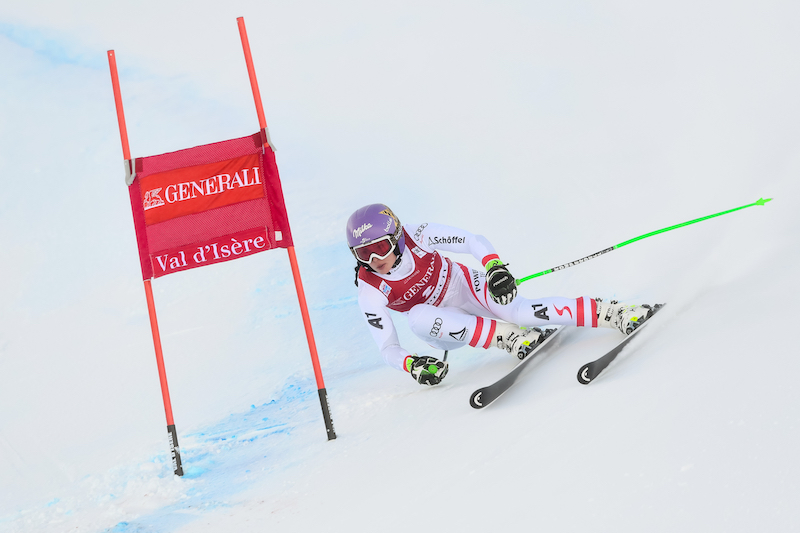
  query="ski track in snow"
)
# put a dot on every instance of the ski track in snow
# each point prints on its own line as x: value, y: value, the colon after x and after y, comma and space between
x: 219, y: 461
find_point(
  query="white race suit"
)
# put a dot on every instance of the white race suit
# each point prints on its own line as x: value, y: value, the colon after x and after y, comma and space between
x: 447, y: 303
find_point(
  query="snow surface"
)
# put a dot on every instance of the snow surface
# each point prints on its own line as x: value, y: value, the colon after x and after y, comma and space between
x: 554, y: 129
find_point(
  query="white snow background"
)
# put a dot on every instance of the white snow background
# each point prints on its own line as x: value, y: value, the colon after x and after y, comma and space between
x: 555, y: 129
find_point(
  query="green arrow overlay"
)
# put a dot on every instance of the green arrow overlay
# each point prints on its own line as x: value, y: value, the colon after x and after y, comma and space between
x: 761, y: 201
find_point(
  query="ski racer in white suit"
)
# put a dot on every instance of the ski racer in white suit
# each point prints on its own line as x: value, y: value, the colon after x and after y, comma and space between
x: 450, y: 305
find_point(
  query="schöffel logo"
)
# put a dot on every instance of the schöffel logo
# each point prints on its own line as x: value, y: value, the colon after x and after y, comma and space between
x: 454, y: 239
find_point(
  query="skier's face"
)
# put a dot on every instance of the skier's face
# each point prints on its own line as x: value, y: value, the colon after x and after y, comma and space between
x: 383, y: 266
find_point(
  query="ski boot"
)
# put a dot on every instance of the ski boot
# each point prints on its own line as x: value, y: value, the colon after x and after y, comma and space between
x: 516, y: 340
x: 625, y: 318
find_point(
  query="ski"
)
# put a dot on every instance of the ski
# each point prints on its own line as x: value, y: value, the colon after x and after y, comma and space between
x: 590, y: 371
x: 486, y: 395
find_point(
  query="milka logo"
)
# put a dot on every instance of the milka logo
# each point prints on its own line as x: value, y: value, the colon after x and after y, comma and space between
x: 179, y: 192
x: 361, y: 229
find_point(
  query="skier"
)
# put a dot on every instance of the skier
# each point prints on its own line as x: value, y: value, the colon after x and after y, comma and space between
x: 450, y: 305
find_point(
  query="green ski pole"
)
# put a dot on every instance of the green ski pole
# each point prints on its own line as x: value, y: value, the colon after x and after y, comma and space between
x: 760, y: 201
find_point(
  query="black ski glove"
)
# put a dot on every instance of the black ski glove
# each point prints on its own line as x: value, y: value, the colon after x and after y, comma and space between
x: 502, y: 285
x: 426, y: 370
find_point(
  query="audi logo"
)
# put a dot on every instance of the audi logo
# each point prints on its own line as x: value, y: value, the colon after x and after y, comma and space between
x: 437, y: 325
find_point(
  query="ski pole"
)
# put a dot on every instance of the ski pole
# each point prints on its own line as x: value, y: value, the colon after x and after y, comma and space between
x: 761, y: 201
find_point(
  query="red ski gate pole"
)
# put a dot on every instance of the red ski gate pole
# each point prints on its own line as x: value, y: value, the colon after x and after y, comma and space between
x: 298, y: 282
x: 148, y: 290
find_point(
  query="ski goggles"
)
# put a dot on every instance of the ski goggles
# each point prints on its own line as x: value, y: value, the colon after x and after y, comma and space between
x: 379, y: 249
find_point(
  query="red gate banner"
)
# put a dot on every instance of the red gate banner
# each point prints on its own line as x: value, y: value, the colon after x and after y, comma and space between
x: 207, y: 204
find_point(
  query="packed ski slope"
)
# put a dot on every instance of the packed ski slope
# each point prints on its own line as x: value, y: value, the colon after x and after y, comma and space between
x: 557, y: 133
